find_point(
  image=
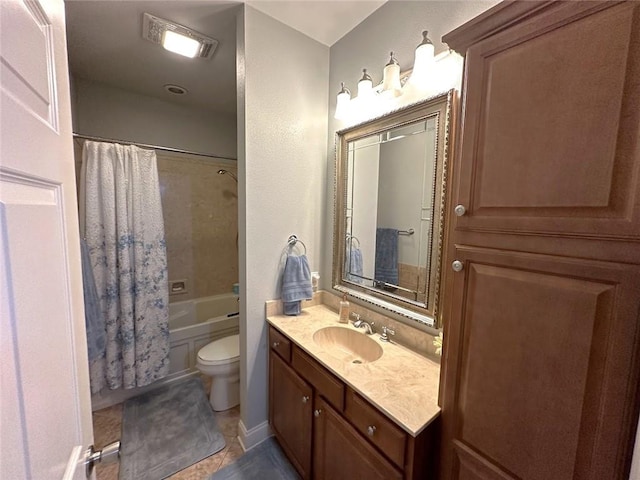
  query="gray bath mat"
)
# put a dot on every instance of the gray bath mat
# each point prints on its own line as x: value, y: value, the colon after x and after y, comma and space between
x: 166, y: 430
x: 264, y: 462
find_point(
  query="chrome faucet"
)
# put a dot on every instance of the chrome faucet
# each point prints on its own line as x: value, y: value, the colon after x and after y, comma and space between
x: 386, y: 331
x: 368, y: 326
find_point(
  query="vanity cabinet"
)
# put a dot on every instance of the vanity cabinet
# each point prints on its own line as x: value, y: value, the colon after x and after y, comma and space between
x: 328, y: 431
x: 542, y: 368
x: 341, y: 453
x: 290, y: 408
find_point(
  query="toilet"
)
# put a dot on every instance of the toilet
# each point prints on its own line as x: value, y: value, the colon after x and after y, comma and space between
x: 220, y: 360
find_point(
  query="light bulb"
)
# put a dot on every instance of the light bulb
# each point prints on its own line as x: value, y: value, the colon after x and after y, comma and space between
x: 342, y: 103
x: 365, y: 85
x: 180, y: 44
x: 423, y: 63
x: 391, y: 78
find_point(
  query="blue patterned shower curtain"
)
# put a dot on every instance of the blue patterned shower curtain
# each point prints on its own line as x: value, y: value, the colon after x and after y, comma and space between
x: 121, y: 219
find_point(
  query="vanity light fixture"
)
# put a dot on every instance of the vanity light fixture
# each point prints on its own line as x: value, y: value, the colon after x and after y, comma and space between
x: 391, y: 78
x: 177, y: 38
x: 365, y: 85
x: 423, y: 64
x: 342, y: 103
x: 429, y: 76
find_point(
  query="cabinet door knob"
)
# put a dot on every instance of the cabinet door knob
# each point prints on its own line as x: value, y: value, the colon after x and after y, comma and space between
x: 316, y: 413
x: 457, y: 266
x: 275, y: 344
x: 371, y: 429
x: 460, y: 210
x: 305, y: 399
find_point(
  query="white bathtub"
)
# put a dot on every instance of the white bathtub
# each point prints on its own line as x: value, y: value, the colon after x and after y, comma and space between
x: 192, y: 324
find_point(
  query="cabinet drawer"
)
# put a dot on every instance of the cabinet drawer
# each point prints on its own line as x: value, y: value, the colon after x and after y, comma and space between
x: 324, y: 382
x: 280, y: 344
x: 380, y: 431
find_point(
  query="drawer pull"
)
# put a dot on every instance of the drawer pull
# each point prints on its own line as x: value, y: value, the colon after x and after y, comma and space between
x: 275, y: 344
x: 316, y: 413
x: 305, y: 399
x: 460, y: 210
x: 371, y: 429
x: 457, y: 266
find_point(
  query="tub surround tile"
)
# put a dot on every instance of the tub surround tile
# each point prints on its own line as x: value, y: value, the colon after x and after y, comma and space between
x: 201, y: 223
x: 401, y: 383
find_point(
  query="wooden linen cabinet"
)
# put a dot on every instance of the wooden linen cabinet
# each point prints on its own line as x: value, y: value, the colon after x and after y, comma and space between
x: 541, y: 374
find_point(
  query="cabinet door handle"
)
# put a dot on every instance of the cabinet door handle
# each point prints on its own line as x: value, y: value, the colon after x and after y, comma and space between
x: 457, y: 266
x: 316, y: 413
x: 275, y: 344
x: 371, y: 429
x: 460, y: 210
x: 305, y: 399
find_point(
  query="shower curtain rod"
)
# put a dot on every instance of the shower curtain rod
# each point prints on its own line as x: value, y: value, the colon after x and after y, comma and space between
x: 144, y: 145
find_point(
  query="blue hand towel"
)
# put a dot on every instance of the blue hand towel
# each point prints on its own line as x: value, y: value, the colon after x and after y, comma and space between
x: 386, y: 269
x: 94, y: 320
x: 296, y: 284
x: 354, y: 266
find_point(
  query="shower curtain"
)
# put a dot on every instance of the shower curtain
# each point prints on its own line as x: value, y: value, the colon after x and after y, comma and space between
x: 121, y: 219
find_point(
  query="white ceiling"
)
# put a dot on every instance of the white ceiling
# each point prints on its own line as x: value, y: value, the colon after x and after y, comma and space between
x: 324, y: 21
x: 105, y: 43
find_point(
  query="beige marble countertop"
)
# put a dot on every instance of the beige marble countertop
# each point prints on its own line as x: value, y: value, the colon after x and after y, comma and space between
x: 401, y: 383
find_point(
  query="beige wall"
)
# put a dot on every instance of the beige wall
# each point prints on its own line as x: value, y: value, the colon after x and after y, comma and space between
x: 200, y: 211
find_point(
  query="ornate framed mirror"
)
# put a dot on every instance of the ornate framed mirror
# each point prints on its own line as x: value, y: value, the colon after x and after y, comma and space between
x: 390, y: 191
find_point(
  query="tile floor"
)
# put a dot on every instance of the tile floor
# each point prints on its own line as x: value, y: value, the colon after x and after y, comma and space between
x: 106, y: 429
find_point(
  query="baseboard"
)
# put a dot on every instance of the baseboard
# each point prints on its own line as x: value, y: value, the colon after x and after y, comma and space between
x: 251, y: 438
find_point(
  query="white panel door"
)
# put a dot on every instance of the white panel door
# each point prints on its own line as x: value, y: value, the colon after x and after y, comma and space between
x: 45, y: 409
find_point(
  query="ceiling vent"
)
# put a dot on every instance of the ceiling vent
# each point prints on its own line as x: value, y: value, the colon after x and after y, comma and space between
x: 153, y: 29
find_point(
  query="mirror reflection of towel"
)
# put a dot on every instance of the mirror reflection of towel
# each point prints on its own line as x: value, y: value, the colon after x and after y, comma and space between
x: 353, y: 268
x: 296, y: 284
x: 386, y: 269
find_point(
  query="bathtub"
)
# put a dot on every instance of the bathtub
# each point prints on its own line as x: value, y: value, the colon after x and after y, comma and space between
x: 192, y: 324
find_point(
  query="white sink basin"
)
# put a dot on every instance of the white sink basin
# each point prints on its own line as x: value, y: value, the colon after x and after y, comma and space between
x: 348, y: 345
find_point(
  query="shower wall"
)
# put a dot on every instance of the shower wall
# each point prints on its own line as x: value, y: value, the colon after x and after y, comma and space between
x: 201, y: 223
x: 200, y: 210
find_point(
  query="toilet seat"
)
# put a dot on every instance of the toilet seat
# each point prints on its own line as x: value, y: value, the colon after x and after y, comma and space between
x: 220, y: 352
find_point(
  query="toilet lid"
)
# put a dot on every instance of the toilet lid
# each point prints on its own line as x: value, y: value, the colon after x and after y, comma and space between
x: 225, y: 350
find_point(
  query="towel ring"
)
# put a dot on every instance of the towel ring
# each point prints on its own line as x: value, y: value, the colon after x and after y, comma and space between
x: 352, y: 238
x: 293, y: 240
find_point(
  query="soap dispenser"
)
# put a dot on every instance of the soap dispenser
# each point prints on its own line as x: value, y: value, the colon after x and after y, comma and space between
x: 344, y: 310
